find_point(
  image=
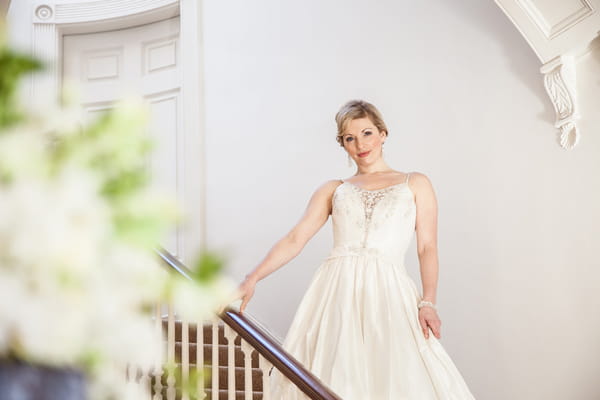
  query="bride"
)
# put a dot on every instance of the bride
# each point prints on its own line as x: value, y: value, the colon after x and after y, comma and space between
x: 362, y: 327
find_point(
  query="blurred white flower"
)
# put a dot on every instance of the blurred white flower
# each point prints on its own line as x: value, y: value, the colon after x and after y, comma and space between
x: 14, y: 161
x: 194, y: 304
x: 53, y: 330
x: 78, y: 277
x: 49, y: 226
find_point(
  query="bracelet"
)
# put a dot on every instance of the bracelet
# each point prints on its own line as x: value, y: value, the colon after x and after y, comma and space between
x: 425, y: 303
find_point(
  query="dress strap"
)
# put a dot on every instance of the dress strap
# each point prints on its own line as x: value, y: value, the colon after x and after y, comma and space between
x: 407, y: 176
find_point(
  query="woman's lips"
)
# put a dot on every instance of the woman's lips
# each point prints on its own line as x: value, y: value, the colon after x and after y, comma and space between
x: 366, y: 153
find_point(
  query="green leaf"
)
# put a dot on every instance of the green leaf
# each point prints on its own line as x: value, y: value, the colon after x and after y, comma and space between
x: 208, y: 266
x: 13, y: 66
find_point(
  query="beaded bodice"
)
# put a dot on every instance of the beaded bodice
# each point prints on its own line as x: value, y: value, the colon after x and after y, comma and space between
x: 373, y: 222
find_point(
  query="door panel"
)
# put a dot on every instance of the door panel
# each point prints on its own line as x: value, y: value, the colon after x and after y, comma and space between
x: 142, y: 60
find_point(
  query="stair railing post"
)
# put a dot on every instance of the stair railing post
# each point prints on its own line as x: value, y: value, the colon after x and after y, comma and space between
x: 215, y: 361
x: 158, y: 367
x: 200, y: 360
x: 265, y: 367
x: 185, y: 360
x: 247, y: 349
x: 230, y: 335
x: 171, y: 381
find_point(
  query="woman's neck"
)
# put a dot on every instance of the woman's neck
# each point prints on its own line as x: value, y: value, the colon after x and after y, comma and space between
x: 377, y: 167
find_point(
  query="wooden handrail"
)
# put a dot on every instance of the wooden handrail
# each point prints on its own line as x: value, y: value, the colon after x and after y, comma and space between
x: 173, y: 263
x: 276, y: 355
x: 263, y: 343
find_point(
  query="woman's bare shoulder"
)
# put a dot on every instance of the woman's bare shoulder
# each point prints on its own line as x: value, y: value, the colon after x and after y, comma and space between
x: 326, y: 189
x: 420, y: 184
x: 323, y: 195
x: 418, y: 178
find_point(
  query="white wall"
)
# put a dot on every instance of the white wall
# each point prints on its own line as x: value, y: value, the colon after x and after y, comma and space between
x: 464, y: 100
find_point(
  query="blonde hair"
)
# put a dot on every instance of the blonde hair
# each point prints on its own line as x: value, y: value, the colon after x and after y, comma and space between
x: 355, y: 109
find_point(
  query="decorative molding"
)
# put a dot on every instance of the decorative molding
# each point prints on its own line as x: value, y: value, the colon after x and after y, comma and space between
x: 96, y: 64
x: 554, y: 28
x: 170, y: 100
x: 53, y: 18
x: 582, y: 9
x: 45, y: 47
x: 560, y: 83
x: 44, y: 12
x: 91, y: 11
x: 558, y: 31
x: 160, y: 54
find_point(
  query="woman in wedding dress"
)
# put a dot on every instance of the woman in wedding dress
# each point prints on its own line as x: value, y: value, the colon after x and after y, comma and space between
x: 362, y: 327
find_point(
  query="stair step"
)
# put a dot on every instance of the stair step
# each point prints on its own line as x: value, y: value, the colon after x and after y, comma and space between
x: 223, y: 394
x: 206, y: 334
x: 223, y: 378
x: 223, y: 358
x: 223, y: 354
x: 239, y: 395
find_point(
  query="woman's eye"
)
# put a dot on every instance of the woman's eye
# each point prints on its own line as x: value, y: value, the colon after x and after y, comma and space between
x: 367, y: 133
x: 349, y: 139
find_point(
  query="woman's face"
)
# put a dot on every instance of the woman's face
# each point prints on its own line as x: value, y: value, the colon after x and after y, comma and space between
x: 362, y: 140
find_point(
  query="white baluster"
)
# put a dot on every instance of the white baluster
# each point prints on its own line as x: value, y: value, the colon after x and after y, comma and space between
x: 185, y: 360
x: 158, y: 371
x: 200, y: 360
x: 247, y: 349
x: 171, y: 354
x: 230, y: 335
x: 265, y: 366
x: 145, y: 381
x: 215, y: 360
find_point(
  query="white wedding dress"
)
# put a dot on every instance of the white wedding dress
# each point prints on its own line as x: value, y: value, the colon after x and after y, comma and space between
x: 357, y: 327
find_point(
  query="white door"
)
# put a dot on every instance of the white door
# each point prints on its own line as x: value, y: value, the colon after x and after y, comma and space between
x: 142, y: 60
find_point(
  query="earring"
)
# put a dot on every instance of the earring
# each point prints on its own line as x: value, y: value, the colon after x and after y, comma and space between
x: 350, y: 161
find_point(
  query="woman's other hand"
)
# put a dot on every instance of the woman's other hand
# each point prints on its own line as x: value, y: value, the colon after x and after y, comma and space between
x: 428, y: 318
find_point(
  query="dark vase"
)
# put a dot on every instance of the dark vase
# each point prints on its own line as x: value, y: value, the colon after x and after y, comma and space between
x: 22, y: 381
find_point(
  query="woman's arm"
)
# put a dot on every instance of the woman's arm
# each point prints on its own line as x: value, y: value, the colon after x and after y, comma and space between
x: 426, y: 231
x: 289, y: 246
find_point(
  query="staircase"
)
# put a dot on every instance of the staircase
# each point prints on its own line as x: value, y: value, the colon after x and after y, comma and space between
x: 210, y: 368
x: 233, y: 355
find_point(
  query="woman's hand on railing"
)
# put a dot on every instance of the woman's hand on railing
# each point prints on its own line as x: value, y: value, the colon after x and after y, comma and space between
x: 246, y: 291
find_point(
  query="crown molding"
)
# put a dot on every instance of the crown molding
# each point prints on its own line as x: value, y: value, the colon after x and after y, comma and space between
x: 558, y: 31
x: 66, y: 12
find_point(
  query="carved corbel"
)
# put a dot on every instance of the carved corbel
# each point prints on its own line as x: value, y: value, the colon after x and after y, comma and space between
x: 560, y: 82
